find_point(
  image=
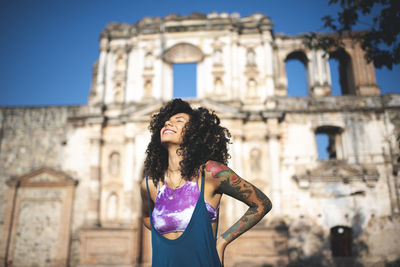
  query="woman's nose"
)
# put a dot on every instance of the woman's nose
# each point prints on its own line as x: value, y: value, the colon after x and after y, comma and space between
x: 168, y: 123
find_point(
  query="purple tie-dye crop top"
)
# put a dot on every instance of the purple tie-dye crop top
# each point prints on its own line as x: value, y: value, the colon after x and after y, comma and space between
x: 173, y: 215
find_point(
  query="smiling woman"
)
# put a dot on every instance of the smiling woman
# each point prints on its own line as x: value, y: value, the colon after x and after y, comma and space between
x: 186, y: 160
x: 173, y: 129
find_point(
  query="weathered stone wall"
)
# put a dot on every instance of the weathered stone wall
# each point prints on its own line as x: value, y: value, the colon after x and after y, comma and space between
x: 30, y: 138
x: 241, y: 76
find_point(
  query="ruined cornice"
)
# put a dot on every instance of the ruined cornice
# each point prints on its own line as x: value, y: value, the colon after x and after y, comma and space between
x: 337, y: 171
x: 194, y: 22
x: 274, y: 107
x: 335, y: 103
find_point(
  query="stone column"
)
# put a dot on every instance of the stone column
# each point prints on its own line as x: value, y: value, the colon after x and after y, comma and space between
x: 201, y: 87
x: 235, y: 67
x: 269, y: 59
x: 101, y: 70
x: 237, y: 166
x: 128, y: 53
x: 135, y: 88
x: 93, y: 214
x: 318, y: 74
x: 130, y: 178
x: 364, y: 72
x: 274, y: 156
x: 108, y: 77
x: 281, y: 81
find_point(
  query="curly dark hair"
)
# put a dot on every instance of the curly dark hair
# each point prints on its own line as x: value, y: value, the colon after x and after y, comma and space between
x: 204, y: 139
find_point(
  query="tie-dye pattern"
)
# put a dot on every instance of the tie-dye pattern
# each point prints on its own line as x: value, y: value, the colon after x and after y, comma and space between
x: 173, y: 215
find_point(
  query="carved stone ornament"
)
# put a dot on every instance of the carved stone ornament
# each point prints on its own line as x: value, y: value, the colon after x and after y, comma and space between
x: 334, y: 171
x: 183, y: 53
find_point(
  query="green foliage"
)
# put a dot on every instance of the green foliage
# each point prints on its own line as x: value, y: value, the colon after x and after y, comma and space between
x: 380, y: 42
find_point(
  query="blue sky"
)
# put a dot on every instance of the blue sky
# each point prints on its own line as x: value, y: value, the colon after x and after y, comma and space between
x: 47, y: 47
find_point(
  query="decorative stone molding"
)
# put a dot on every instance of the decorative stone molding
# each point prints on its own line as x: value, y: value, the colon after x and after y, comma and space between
x: 183, y: 53
x: 335, y: 171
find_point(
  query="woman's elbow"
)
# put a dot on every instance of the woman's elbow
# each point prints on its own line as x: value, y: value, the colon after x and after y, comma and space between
x: 267, y: 206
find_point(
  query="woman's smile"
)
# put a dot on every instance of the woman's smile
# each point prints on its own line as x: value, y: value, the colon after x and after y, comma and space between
x: 168, y: 131
x: 173, y: 128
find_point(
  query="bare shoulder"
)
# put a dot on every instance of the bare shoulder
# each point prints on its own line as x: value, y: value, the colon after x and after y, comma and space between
x: 212, y: 168
x: 218, y: 170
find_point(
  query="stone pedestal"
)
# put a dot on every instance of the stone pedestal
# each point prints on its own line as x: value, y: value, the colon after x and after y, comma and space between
x: 105, y: 247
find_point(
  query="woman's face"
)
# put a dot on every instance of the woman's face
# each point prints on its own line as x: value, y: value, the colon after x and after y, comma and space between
x: 172, y: 132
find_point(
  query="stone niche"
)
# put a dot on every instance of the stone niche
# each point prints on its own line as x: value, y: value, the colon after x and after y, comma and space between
x: 38, y: 219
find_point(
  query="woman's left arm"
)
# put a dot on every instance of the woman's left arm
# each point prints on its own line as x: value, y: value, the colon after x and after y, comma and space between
x: 231, y: 184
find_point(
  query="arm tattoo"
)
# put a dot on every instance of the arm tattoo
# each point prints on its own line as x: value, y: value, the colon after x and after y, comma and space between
x: 232, y: 185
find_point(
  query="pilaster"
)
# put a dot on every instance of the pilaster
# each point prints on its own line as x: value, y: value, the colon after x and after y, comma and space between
x: 93, y: 214
x: 101, y: 72
x: 274, y: 157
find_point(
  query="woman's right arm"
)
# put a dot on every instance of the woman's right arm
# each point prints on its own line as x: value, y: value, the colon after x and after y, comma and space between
x: 145, y: 203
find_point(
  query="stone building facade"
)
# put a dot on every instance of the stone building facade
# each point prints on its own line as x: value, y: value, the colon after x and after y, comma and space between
x: 69, y: 175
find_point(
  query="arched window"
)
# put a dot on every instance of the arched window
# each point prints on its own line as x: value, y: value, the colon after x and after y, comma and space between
x: 336, y: 90
x: 329, y: 142
x: 345, y: 70
x: 296, y: 72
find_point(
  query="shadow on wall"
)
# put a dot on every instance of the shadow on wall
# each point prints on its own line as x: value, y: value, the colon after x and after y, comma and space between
x: 310, y: 245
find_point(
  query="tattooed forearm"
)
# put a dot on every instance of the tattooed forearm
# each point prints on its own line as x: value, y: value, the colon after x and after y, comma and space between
x: 252, y: 216
x: 265, y: 202
x: 248, y: 220
x: 234, y: 186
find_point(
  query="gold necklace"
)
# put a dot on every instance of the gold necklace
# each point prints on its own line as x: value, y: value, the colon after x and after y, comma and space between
x: 176, y: 187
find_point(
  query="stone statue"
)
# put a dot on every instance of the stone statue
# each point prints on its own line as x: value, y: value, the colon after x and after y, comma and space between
x: 252, y: 88
x: 148, y: 85
x: 218, y: 57
x: 148, y: 61
x: 255, y: 158
x: 251, y: 57
x: 218, y: 86
x: 114, y: 163
x: 117, y: 91
x: 112, y: 207
x: 120, y: 63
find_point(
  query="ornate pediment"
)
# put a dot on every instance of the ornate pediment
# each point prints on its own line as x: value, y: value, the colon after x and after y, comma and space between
x: 43, y: 176
x: 335, y: 171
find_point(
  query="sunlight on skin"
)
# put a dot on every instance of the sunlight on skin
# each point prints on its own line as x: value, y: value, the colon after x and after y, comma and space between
x: 238, y: 188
